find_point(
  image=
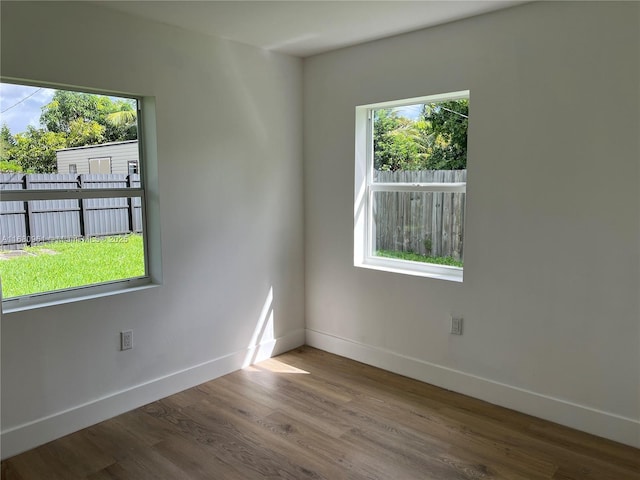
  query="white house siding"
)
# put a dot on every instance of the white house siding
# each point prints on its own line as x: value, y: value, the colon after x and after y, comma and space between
x: 121, y: 153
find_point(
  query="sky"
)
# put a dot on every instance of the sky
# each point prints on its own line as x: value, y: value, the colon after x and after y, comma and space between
x: 18, y: 111
x: 410, y: 111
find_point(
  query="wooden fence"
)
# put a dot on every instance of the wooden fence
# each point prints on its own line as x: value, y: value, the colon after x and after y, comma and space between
x: 39, y: 221
x: 425, y: 223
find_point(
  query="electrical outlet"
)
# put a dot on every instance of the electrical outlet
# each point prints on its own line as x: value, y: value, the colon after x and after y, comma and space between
x: 456, y: 325
x: 126, y: 340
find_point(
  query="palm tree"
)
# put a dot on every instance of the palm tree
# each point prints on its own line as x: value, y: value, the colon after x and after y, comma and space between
x: 123, y: 118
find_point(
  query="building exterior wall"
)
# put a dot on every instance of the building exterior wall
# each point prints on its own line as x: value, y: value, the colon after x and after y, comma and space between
x: 120, y: 154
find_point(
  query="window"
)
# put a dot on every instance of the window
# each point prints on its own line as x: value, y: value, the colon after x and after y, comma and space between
x: 410, y: 190
x: 100, y: 165
x: 65, y: 236
x: 132, y: 167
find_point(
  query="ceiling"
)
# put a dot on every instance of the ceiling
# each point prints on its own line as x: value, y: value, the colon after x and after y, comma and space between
x: 305, y: 27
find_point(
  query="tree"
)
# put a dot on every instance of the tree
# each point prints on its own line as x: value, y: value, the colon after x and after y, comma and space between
x: 394, y: 145
x: 118, y: 117
x: 447, y: 124
x: 10, y: 167
x: 82, y: 132
x: 71, y: 119
x: 36, y: 148
x: 65, y: 107
x: 6, y: 142
x: 124, y: 118
x: 437, y: 140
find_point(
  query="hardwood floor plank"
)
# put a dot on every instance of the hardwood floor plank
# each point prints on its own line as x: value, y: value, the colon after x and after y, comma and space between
x: 344, y: 455
x: 308, y: 414
x: 147, y: 464
x: 124, y: 435
x: 8, y: 472
x: 40, y: 463
x: 276, y: 397
x: 457, y: 437
x: 279, y: 440
x: 589, y: 445
x: 567, y: 455
x: 200, y: 461
x: 232, y: 444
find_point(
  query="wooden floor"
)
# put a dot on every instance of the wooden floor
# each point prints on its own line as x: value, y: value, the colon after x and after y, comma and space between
x: 308, y: 414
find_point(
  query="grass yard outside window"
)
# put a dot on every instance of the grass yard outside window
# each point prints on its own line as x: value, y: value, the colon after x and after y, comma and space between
x: 417, y: 257
x: 70, y: 264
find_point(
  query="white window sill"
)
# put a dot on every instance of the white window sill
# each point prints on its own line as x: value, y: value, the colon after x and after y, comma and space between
x: 31, y: 302
x: 405, y: 267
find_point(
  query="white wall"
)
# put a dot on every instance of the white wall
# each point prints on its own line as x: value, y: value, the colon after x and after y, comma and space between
x: 229, y: 140
x: 551, y: 280
x: 550, y: 295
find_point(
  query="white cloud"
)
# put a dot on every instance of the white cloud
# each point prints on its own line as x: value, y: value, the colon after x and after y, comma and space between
x: 20, y: 111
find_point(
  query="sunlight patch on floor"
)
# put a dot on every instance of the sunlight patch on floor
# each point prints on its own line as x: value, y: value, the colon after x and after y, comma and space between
x: 274, y: 366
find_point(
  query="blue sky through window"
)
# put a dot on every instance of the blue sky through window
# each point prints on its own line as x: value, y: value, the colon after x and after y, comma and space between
x: 21, y: 105
x: 409, y: 111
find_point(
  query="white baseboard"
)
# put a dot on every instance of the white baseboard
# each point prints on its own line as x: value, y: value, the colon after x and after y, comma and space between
x: 604, y: 424
x: 29, y: 435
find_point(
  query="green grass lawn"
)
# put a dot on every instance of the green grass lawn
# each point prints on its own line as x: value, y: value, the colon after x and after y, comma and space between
x: 60, y: 265
x: 416, y: 257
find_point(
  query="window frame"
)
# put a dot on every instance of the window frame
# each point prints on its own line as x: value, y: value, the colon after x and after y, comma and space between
x: 365, y: 188
x: 135, y: 165
x: 147, y: 192
x: 99, y: 161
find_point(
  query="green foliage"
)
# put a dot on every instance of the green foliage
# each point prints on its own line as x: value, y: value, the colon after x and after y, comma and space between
x: 120, y: 120
x: 449, y: 122
x: 35, y: 149
x: 9, y: 167
x: 6, y: 142
x: 61, y: 265
x: 8, y: 164
x: 416, y: 257
x: 71, y: 119
x: 393, y: 145
x: 67, y: 107
x: 123, y: 118
x: 82, y: 132
x: 435, y: 141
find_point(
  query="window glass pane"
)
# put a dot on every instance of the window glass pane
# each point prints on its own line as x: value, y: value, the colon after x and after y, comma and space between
x: 96, y: 133
x: 97, y: 165
x: 83, y: 142
x: 430, y: 136
x: 71, y: 243
x: 424, y: 227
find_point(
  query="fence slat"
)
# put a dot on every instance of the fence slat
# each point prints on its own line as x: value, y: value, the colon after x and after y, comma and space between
x: 13, y: 231
x: 428, y: 223
x: 38, y: 221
